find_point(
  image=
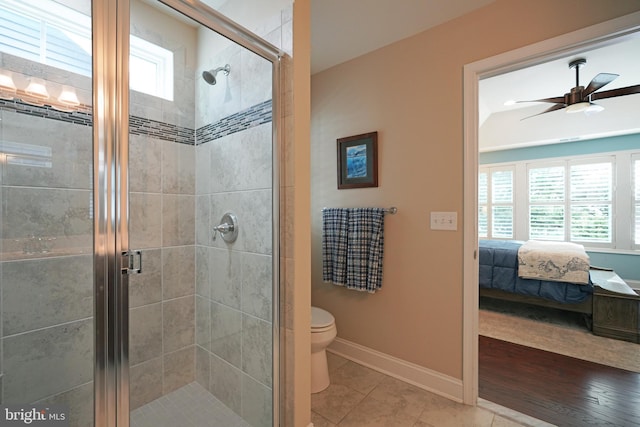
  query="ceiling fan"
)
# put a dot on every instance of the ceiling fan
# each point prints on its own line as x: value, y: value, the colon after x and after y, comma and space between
x: 580, y: 98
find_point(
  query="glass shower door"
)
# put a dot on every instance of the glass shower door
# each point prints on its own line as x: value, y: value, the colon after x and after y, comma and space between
x: 200, y: 146
x: 46, y: 220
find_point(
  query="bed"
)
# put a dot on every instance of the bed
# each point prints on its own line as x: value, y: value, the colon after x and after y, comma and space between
x: 498, y: 277
x: 611, y: 306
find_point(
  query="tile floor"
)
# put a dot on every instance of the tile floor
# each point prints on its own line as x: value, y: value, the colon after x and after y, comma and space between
x: 359, y: 396
x: 189, y: 406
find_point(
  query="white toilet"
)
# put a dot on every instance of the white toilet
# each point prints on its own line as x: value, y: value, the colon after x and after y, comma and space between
x: 323, y: 332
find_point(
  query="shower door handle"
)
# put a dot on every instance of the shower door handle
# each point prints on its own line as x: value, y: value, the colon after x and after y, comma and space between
x: 132, y: 262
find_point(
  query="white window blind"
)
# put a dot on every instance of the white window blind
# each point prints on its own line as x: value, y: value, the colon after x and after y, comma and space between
x: 19, y: 35
x: 636, y: 199
x: 55, y: 35
x: 502, y: 204
x: 483, y: 198
x: 571, y: 202
x: 546, y: 203
x: 40, y: 35
x: 591, y: 197
x: 495, y: 204
x: 587, y: 199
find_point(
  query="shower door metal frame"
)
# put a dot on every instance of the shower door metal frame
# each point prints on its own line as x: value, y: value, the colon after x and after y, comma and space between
x: 111, y: 211
x: 110, y: 29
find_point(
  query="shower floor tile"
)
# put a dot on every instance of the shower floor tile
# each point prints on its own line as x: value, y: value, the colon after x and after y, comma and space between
x: 189, y: 406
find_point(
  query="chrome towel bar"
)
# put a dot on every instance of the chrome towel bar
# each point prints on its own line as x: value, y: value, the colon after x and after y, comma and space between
x: 392, y: 210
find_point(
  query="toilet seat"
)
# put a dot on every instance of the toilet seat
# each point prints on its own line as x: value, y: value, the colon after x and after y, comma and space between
x: 319, y: 330
x: 321, y: 320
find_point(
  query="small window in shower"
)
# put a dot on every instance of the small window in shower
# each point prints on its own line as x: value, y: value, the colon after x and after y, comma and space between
x: 150, y: 69
x: 50, y: 33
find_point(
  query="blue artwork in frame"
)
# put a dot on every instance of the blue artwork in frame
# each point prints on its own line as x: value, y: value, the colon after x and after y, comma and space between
x: 358, y: 161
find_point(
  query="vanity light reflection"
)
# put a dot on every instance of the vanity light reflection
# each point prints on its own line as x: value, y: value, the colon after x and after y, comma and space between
x: 37, y: 91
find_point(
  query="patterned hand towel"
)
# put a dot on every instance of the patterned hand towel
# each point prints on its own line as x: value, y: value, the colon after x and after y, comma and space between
x: 353, y: 247
x: 334, y: 245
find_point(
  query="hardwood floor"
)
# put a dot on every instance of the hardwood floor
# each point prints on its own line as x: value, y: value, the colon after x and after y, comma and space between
x: 557, y: 389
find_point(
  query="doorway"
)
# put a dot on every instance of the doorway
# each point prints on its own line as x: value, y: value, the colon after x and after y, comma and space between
x: 532, y: 55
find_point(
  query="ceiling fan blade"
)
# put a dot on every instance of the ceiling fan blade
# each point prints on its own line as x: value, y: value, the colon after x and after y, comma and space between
x: 556, y: 100
x: 629, y: 90
x: 548, y: 110
x: 597, y: 82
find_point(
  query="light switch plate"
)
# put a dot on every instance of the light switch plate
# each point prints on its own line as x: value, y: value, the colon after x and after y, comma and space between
x: 444, y: 221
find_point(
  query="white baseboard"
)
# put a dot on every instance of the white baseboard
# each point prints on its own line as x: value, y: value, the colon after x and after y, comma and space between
x: 411, y: 373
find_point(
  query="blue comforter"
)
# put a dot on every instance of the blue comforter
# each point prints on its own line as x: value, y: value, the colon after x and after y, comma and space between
x: 499, y: 270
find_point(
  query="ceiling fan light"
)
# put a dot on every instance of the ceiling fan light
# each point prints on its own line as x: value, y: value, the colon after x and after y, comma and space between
x: 593, y: 108
x: 578, y: 107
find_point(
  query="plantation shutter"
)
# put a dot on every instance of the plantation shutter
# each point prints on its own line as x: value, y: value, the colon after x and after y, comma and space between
x: 591, y: 192
x: 40, y: 41
x: 483, y: 191
x: 19, y: 35
x: 53, y: 34
x: 636, y: 199
x: 546, y: 203
x: 502, y: 204
x: 63, y: 52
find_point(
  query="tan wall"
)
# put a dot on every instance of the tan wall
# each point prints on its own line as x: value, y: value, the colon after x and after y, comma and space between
x: 411, y: 93
x: 297, y: 164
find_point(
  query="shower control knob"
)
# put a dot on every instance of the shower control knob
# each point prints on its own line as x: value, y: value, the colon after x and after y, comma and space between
x: 223, y: 228
x: 228, y: 228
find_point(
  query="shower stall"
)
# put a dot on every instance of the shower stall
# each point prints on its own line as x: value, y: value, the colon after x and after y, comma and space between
x: 139, y: 229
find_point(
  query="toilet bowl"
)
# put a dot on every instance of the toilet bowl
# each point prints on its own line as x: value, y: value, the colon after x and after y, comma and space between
x: 323, y: 332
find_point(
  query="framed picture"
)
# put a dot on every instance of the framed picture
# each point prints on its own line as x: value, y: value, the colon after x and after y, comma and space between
x: 358, y: 161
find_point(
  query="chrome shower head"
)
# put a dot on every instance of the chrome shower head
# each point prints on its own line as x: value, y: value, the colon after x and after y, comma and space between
x: 210, y: 76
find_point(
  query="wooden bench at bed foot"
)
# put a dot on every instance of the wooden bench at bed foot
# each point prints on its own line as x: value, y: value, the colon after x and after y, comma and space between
x: 616, y: 315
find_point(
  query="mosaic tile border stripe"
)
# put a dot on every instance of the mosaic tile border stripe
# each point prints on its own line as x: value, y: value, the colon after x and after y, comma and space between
x: 161, y: 130
x: 252, y: 116
x: 81, y: 116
